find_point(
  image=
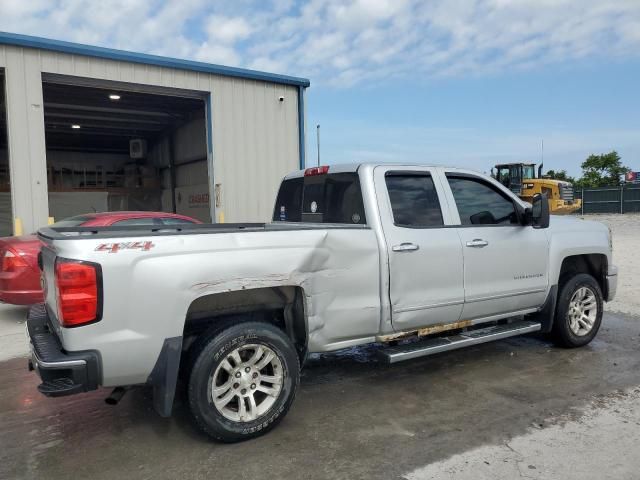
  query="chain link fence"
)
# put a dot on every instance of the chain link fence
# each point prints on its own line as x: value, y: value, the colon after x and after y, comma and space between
x: 622, y: 199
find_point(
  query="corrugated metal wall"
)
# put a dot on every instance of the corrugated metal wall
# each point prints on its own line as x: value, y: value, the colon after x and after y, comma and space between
x: 255, y: 136
x: 614, y: 199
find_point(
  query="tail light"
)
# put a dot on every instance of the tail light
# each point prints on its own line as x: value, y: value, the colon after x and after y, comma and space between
x: 12, y: 261
x: 310, y: 172
x: 79, y: 292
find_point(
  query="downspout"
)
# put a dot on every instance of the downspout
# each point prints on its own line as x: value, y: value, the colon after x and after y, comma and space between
x: 208, y: 105
x: 301, y: 127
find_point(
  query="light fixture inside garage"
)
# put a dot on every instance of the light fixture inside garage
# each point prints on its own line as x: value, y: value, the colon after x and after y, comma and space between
x: 75, y: 126
x: 114, y: 96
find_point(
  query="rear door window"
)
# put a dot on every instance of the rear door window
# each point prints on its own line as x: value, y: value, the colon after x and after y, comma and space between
x: 414, y: 200
x: 330, y: 198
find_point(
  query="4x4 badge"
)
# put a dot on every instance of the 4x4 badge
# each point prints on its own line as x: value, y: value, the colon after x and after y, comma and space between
x: 116, y: 247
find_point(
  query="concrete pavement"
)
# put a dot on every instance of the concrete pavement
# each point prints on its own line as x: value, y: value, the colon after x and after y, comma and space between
x: 597, y: 441
x: 492, y: 410
x: 12, y: 337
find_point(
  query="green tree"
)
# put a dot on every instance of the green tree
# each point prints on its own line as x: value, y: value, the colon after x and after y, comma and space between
x: 560, y: 175
x: 602, y: 170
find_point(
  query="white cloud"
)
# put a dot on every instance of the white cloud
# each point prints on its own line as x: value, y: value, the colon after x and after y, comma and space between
x: 227, y: 29
x: 347, y: 42
x: 220, y: 54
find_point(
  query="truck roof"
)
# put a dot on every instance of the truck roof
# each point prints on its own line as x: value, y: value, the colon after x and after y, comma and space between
x: 514, y: 163
x: 353, y: 167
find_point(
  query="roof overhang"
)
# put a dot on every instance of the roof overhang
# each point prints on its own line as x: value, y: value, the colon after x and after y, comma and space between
x: 143, y: 58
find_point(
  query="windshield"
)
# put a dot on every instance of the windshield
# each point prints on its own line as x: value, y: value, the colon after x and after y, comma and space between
x: 72, y: 221
x: 528, y: 171
x: 503, y: 175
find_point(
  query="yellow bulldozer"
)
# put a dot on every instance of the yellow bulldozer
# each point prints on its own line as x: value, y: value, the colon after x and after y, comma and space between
x: 521, y: 179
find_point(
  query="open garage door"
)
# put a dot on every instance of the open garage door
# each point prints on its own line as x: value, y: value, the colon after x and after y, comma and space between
x: 6, y: 215
x: 112, y: 148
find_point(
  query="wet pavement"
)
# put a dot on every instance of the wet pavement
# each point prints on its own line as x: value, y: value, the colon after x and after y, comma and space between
x: 353, y: 418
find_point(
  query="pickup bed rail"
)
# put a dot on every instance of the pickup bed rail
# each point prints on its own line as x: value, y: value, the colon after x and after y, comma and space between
x: 76, y: 233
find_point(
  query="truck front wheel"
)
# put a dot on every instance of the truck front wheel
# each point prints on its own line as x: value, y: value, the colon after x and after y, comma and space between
x: 243, y: 381
x: 578, y: 311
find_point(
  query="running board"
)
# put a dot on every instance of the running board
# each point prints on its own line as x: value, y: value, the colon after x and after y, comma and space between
x: 465, y: 339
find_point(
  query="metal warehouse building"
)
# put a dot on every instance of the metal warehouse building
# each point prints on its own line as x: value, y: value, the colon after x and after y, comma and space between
x: 86, y: 129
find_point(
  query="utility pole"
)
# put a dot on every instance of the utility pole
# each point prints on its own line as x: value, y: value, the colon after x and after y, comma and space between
x: 318, y: 141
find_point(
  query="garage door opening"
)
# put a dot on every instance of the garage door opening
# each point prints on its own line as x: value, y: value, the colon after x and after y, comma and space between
x: 6, y: 216
x: 112, y: 149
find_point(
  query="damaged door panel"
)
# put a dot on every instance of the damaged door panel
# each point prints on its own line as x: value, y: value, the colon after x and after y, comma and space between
x: 425, y: 257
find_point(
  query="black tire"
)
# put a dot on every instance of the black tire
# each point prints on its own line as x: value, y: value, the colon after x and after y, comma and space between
x: 562, y: 333
x: 212, y: 352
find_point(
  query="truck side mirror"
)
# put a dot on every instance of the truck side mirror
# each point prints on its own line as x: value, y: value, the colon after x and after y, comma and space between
x: 540, y: 211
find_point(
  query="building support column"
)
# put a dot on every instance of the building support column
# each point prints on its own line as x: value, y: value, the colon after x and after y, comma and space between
x: 27, y: 150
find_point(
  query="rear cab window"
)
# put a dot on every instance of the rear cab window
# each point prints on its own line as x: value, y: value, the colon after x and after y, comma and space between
x: 321, y: 198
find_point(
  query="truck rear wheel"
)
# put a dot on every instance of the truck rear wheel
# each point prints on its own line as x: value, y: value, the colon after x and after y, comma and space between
x: 578, y: 311
x: 243, y: 381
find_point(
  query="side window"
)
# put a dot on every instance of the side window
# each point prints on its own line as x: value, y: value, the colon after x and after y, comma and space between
x: 414, y: 200
x: 481, y: 204
x: 136, y: 221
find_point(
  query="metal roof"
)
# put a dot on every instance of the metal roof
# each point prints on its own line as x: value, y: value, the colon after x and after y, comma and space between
x: 143, y: 58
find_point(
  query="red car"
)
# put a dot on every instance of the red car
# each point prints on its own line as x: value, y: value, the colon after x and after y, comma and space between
x: 19, y: 272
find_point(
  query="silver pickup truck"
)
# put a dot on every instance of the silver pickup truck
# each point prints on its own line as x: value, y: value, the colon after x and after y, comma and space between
x: 421, y: 259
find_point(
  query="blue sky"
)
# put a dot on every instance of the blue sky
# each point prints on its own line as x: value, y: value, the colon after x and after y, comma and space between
x: 463, y: 82
x: 578, y: 109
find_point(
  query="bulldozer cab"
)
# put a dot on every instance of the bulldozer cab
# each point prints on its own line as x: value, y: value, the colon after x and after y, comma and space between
x: 522, y: 180
x: 511, y: 175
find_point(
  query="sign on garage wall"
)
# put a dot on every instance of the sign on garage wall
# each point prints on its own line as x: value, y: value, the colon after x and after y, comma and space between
x: 194, y: 201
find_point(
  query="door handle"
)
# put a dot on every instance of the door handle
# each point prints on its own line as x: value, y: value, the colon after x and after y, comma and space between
x: 477, y: 243
x: 405, y: 247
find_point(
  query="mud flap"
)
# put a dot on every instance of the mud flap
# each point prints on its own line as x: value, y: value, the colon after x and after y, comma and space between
x: 547, y: 313
x: 164, y: 376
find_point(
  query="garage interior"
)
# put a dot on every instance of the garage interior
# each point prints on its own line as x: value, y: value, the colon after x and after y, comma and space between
x: 111, y: 149
x: 6, y: 223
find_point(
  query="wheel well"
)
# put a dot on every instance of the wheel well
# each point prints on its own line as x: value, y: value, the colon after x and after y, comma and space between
x: 281, y: 306
x: 594, y: 264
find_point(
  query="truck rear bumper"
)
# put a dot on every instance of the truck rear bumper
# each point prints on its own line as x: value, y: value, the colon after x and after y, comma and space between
x: 62, y: 373
x: 612, y: 282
